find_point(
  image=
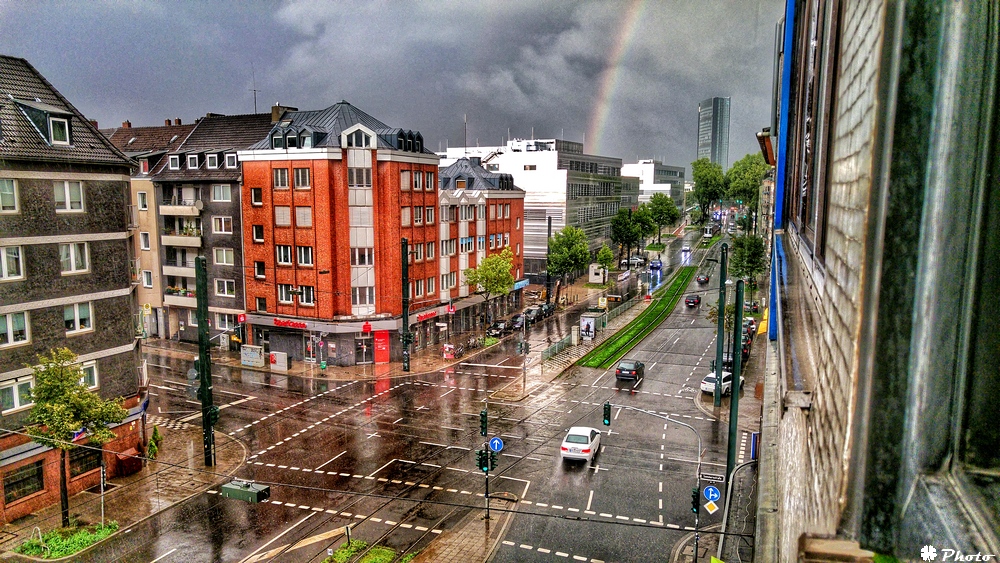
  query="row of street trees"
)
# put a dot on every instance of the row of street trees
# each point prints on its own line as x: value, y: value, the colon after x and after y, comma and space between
x: 628, y: 228
x: 740, y: 183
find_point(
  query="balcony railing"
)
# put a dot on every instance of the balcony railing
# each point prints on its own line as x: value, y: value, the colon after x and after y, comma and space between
x: 187, y: 237
x: 133, y: 217
x: 179, y: 262
x: 182, y: 207
x: 135, y: 269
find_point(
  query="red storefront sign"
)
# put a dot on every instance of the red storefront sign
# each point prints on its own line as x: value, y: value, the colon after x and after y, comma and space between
x: 427, y: 315
x: 381, y: 346
x: 367, y: 327
x: 290, y: 324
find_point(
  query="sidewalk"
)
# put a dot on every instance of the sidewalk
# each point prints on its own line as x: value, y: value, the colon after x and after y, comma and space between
x: 172, y: 478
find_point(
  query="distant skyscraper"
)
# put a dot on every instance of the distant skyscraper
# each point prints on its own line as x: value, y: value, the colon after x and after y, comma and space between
x: 713, y: 131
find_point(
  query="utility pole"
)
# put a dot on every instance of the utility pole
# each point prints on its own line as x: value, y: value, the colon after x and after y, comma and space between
x: 404, y: 334
x: 209, y: 412
x: 548, y: 251
x: 719, y: 359
x: 734, y: 393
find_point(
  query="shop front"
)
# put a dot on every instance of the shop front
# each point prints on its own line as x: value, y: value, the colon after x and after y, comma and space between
x: 341, y: 344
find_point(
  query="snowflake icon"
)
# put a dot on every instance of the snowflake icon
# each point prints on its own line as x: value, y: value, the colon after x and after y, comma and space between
x: 928, y: 553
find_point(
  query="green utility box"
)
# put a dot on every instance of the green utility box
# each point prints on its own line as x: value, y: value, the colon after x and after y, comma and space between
x: 245, y: 490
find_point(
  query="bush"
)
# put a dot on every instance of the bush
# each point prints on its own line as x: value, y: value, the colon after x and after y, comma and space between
x: 152, y: 449
x: 490, y: 341
x: 67, y: 541
x: 157, y: 437
x: 379, y: 554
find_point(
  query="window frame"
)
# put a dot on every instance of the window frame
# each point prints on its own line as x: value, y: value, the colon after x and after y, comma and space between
x: 142, y: 201
x: 52, y: 131
x: 224, y: 284
x: 191, y: 158
x: 74, y: 269
x: 231, y: 156
x: 92, y: 367
x: 4, y: 273
x: 76, y: 320
x: 145, y: 243
x: 257, y: 196
x: 285, y: 295
x: 231, y: 252
x: 13, y: 185
x: 13, y: 494
x: 279, y: 178
x: 418, y: 216
x: 261, y: 304
x: 281, y: 221
x: 16, y: 388
x: 211, y: 161
x: 283, y: 254
x: 308, y: 178
x: 307, y: 296
x: 147, y: 274
x: 299, y: 251
x: 253, y: 233
x: 174, y: 162
x: 259, y: 269
x: 228, y: 188
x: 429, y: 215
x: 65, y: 184
x: 219, y: 224
x: 303, y: 216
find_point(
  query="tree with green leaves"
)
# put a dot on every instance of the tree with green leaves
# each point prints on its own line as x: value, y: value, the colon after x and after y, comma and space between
x: 64, y: 406
x: 624, y: 231
x: 709, y: 184
x: 664, y: 212
x: 743, y: 182
x: 643, y: 218
x: 605, y: 257
x: 494, y: 276
x: 568, y: 252
x: 748, y: 259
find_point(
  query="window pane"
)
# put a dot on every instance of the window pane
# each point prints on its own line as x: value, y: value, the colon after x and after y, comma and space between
x: 69, y: 317
x: 282, y: 216
x: 59, y: 191
x: 6, y: 398
x: 19, y: 328
x: 8, y: 201
x: 80, y: 256
x: 84, y: 309
x: 303, y: 216
x: 75, y: 195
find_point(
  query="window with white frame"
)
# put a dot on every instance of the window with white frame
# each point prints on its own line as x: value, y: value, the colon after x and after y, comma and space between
x: 222, y: 192
x: 225, y: 288
x: 492, y: 242
x: 224, y: 256
x: 506, y: 211
x: 11, y: 263
x: 481, y: 242
x: 8, y: 195
x: 362, y: 257
x: 257, y: 233
x: 517, y: 224
x: 68, y: 195
x: 280, y: 178
x: 284, y: 254
x: 142, y: 200
x: 517, y: 252
x: 506, y: 239
x: 448, y: 280
x: 284, y: 293
x: 257, y: 196
x: 230, y: 160
x: 259, y: 269
x: 74, y: 257
x: 222, y: 225
x: 418, y: 180
x: 307, y: 295
x: 174, y: 162
x: 147, y: 278
x: 418, y: 252
x: 418, y: 288
x: 418, y: 215
x: 429, y: 184
x: 15, y: 394
x: 192, y: 317
x: 226, y: 321
x: 430, y: 285
x: 302, y: 178
x: 362, y: 296
x: 192, y: 162
x: 59, y: 128
x: 481, y: 211
x: 304, y: 255
x: 493, y: 211
x: 89, y: 378
x: 282, y: 216
x: 303, y: 216
x: 212, y: 161
x: 430, y: 250
x: 404, y: 180
x: 144, y: 241
x: 77, y: 318
x: 404, y: 216
x: 429, y: 215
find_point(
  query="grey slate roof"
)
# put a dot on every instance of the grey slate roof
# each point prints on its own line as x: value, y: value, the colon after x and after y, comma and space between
x: 218, y: 134
x: 24, y: 91
x: 482, y: 179
x: 332, y: 121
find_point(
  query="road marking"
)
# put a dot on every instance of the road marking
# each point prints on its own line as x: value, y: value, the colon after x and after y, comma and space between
x: 590, y: 499
x: 248, y: 558
x: 387, y: 464
x: 397, y: 420
x: 164, y: 555
x: 448, y: 392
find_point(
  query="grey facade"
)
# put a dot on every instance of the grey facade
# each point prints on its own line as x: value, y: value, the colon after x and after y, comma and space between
x: 713, y: 131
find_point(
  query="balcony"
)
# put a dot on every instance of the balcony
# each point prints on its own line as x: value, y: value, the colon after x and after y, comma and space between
x: 179, y: 267
x: 182, y: 207
x: 180, y: 297
x: 135, y: 271
x: 189, y: 237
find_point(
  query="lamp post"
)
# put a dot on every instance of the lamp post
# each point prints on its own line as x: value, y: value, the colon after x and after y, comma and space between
x: 717, y: 397
x: 405, y: 337
x: 734, y: 387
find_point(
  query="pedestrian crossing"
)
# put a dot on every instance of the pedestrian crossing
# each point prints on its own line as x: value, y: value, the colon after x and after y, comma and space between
x: 168, y: 423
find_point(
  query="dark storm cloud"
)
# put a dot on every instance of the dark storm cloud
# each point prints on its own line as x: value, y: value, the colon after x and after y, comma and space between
x: 417, y: 65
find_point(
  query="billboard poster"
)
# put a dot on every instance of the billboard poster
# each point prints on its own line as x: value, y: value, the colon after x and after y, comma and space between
x: 381, y: 346
x: 587, y: 327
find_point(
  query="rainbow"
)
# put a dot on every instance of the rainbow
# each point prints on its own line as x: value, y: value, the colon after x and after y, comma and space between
x: 602, y: 104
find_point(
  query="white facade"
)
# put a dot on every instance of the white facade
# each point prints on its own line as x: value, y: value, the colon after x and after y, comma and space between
x: 656, y: 177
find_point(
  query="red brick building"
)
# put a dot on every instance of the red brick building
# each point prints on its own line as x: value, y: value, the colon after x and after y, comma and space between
x: 322, y: 227
x: 481, y: 214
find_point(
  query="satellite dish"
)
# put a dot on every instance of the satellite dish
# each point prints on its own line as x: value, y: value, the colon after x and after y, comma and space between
x: 199, y: 205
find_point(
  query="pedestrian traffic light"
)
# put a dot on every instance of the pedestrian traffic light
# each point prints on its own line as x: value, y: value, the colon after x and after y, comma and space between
x: 483, y: 459
x: 607, y: 414
x: 695, y: 501
x: 482, y: 422
x: 493, y: 460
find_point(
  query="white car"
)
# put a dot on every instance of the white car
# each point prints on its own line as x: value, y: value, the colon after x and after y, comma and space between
x: 581, y: 443
x: 708, y: 384
x: 685, y: 249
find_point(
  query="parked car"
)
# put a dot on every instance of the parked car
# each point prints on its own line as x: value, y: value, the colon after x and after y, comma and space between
x: 692, y: 300
x: 499, y: 328
x: 708, y: 383
x: 517, y: 322
x: 630, y: 369
x: 727, y: 362
x: 655, y: 265
x: 533, y: 314
x: 702, y: 279
x: 581, y: 443
x: 548, y: 309
x: 635, y: 261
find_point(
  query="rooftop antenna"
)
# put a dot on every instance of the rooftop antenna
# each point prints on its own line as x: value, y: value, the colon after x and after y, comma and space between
x: 466, y: 145
x: 562, y: 133
x: 532, y: 132
x: 508, y: 134
x: 253, y: 77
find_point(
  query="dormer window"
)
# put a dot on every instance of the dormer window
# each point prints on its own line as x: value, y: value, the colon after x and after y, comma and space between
x: 277, y: 141
x: 306, y: 141
x: 59, y: 129
x: 212, y: 161
x: 230, y: 160
x: 192, y: 162
x: 359, y: 139
x: 175, y: 162
x: 291, y: 141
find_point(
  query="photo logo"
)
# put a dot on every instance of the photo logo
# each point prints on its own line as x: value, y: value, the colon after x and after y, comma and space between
x: 928, y: 553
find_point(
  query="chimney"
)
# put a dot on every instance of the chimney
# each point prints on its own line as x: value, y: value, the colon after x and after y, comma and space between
x: 94, y: 123
x: 125, y: 124
x: 166, y: 123
x: 278, y: 110
x: 177, y: 121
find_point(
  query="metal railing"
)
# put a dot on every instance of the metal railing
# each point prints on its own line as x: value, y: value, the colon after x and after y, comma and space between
x: 184, y: 232
x: 175, y: 200
x: 179, y: 262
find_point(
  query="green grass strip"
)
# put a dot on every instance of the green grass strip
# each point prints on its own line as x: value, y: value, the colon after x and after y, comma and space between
x: 664, y: 300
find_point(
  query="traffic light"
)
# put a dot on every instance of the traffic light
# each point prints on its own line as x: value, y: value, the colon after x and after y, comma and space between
x: 482, y: 422
x: 527, y: 347
x: 607, y: 413
x: 520, y: 347
x: 695, y: 500
x: 483, y: 460
x: 493, y: 460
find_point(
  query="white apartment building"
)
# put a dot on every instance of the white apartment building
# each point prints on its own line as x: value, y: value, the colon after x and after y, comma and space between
x: 656, y: 177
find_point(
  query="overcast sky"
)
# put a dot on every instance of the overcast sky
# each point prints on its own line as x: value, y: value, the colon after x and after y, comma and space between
x: 628, y: 76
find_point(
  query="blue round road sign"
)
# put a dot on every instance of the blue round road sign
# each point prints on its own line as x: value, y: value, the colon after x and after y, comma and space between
x: 711, y: 493
x: 496, y: 444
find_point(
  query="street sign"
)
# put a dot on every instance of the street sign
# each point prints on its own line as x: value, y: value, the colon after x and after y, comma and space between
x: 367, y: 327
x: 711, y: 493
x: 241, y: 318
x: 711, y: 507
x: 712, y: 478
x: 496, y: 444
x: 147, y: 308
